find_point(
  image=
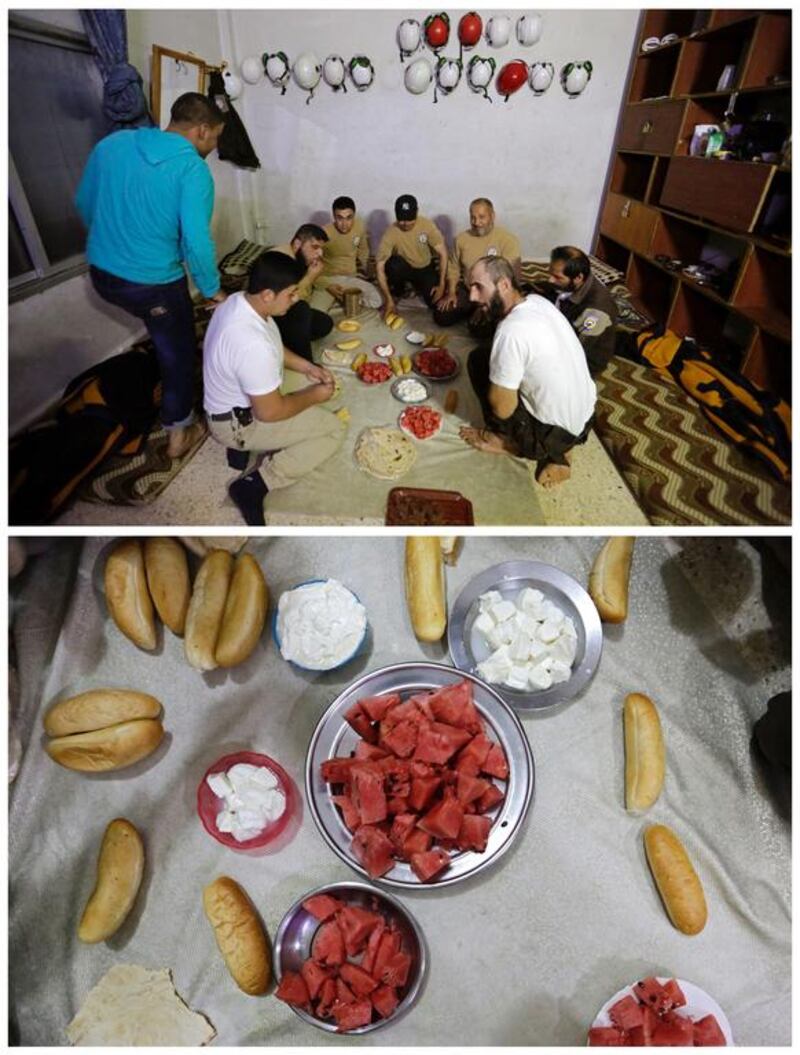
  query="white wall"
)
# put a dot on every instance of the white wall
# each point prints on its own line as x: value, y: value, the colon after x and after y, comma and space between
x: 542, y: 160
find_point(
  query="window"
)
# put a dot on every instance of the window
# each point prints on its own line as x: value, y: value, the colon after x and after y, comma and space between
x: 55, y: 118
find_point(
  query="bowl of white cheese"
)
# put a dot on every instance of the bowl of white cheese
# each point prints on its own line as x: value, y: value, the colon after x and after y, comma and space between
x: 245, y: 800
x: 319, y: 625
x: 529, y: 630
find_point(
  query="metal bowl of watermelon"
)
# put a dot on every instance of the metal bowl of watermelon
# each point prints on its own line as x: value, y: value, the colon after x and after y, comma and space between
x: 364, y: 938
x: 408, y: 836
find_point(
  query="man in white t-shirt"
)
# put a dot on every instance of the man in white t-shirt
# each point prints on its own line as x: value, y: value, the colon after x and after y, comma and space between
x: 243, y: 364
x: 534, y: 385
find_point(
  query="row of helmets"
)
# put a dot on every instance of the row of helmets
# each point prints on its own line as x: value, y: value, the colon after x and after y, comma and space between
x: 513, y: 75
x: 436, y: 32
x: 307, y: 71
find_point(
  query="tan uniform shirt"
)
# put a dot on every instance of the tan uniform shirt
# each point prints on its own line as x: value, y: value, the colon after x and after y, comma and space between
x: 416, y: 247
x: 344, y: 253
x: 305, y: 286
x: 469, y: 248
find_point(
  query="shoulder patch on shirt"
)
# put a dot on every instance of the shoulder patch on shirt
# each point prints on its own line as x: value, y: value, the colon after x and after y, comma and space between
x: 491, y: 251
x: 592, y: 322
x: 422, y: 238
x: 357, y: 239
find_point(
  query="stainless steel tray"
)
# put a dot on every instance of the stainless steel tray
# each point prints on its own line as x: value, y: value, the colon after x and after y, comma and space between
x: 334, y: 738
x: 467, y: 648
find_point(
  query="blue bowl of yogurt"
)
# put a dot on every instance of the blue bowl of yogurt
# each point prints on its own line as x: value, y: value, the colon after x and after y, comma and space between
x: 319, y: 625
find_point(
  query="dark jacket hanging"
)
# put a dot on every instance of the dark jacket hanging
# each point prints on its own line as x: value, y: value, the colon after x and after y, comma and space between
x: 234, y: 143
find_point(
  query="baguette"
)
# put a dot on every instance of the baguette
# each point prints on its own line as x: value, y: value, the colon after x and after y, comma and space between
x: 168, y: 581
x: 245, y: 613
x: 97, y: 709
x: 425, y: 587
x: 119, y: 875
x: 240, y: 935
x: 204, y: 618
x: 644, y: 752
x: 677, y: 882
x: 608, y: 580
x: 451, y: 547
x: 103, y: 749
x: 127, y: 596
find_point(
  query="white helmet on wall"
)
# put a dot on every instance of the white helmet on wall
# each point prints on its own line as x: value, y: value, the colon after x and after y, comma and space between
x: 409, y: 37
x: 334, y: 71
x: 498, y: 31
x: 448, y: 74
x: 307, y: 72
x: 362, y: 72
x: 276, y: 67
x: 418, y: 76
x: 251, y: 69
x: 233, y: 85
x: 529, y: 29
x: 479, y: 75
x: 574, y: 77
x: 541, y: 77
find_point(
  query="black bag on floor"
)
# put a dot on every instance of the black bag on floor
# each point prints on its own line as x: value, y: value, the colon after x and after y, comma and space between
x: 108, y: 409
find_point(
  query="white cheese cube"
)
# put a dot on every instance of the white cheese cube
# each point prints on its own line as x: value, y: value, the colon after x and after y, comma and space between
x: 520, y: 647
x: 264, y: 777
x: 483, y: 623
x: 496, y: 638
x: 549, y: 631
x: 517, y: 678
x: 488, y: 599
x: 240, y: 774
x: 564, y: 649
x: 527, y: 623
x: 530, y: 600
x: 538, y: 649
x: 569, y: 628
x: 560, y: 671
x: 503, y: 610
x: 552, y: 612
x: 226, y: 820
x: 219, y: 784
x: 539, y: 677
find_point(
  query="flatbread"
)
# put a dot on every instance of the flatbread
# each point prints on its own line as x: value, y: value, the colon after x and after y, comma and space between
x: 385, y: 452
x: 132, y: 1006
x: 337, y: 357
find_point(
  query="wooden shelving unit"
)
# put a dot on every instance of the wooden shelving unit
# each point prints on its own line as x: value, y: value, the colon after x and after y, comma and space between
x: 736, y: 214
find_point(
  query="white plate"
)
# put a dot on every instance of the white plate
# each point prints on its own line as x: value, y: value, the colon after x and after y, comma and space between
x: 698, y: 1005
x: 384, y: 351
x: 413, y: 435
x: 415, y: 337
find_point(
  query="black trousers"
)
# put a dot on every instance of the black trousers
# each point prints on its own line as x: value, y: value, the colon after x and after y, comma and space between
x: 535, y: 440
x: 423, y: 279
x: 301, y: 325
x: 480, y: 324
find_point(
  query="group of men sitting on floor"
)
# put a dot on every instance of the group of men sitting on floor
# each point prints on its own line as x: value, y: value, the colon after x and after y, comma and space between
x: 147, y: 198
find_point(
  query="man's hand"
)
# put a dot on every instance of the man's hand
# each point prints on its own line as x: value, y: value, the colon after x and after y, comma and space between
x: 388, y: 307
x: 215, y: 301
x: 319, y: 374
x: 322, y: 392
x: 437, y: 293
x: 315, y: 270
x: 448, y: 301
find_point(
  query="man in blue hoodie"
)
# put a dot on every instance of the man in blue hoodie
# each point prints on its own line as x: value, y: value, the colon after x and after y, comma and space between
x: 147, y: 197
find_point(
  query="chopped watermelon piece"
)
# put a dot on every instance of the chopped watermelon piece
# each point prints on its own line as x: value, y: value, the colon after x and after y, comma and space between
x: 395, y: 973
x: 327, y: 998
x: 293, y: 990
x: 707, y: 1033
x: 373, y: 849
x: 626, y: 1013
x: 402, y: 826
x: 323, y: 906
x: 490, y: 798
x: 470, y: 788
x: 474, y: 835
x: 360, y: 981
x: 356, y: 924
x: 369, y: 752
x: 389, y: 945
x: 401, y: 739
x: 397, y: 773
x: 420, y: 700
x: 438, y: 742
x: 427, y: 865
x: 384, y: 1000
x: 359, y: 720
x: 328, y: 944
x: 401, y: 712
x: 373, y: 944
x: 606, y: 1037
x: 337, y: 770
x: 368, y: 793
x: 674, y: 993
x: 350, y: 814
x: 676, y: 1034
x: 418, y: 842
x: 314, y: 976
x: 496, y: 764
x: 473, y: 755
x: 351, y: 1016
x: 344, y: 994
x: 444, y: 820
x: 422, y: 791
x: 453, y: 705
x: 651, y: 992
x: 377, y: 706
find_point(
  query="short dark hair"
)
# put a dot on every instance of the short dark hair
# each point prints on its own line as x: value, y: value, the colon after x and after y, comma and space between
x: 308, y: 231
x: 575, y: 261
x: 192, y: 108
x: 482, y: 201
x: 498, y: 267
x: 275, y: 271
x: 343, y: 202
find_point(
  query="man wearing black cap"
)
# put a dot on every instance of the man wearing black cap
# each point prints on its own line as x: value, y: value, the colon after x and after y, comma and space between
x: 406, y: 254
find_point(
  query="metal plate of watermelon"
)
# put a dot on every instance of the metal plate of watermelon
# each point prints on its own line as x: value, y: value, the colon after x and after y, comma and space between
x: 468, y: 648
x: 698, y: 1005
x: 334, y: 738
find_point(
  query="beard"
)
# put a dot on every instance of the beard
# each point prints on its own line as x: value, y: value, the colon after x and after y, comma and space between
x: 495, y: 309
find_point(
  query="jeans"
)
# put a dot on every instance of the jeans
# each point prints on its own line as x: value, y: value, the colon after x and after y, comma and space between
x: 301, y: 325
x: 167, y: 312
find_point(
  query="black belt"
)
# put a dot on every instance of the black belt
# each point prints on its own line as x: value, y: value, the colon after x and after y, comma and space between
x: 244, y: 415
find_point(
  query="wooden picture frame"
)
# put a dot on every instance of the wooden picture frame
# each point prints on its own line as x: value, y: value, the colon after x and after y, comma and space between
x: 173, y: 73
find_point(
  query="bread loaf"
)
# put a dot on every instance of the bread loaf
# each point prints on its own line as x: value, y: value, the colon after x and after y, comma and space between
x: 127, y: 595
x: 97, y: 709
x: 425, y: 587
x: 168, y: 580
x: 206, y: 608
x: 245, y: 613
x: 608, y: 580
x: 112, y: 748
x: 119, y: 874
x: 677, y: 882
x: 240, y: 935
x: 644, y: 752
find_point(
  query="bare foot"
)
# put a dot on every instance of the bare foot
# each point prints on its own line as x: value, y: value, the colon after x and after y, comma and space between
x: 183, y: 439
x: 483, y: 440
x: 552, y: 475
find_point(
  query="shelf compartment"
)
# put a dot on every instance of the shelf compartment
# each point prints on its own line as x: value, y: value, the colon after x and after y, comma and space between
x: 729, y: 193
x: 653, y: 74
x: 651, y: 126
x: 694, y: 244
x: 631, y: 175
x: 770, y: 55
x: 657, y: 178
x: 775, y: 219
x: 652, y: 289
x: 768, y: 364
x: 764, y: 294
x: 713, y: 325
x: 612, y: 253
x: 704, y: 59
x: 628, y: 222
x: 659, y: 22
